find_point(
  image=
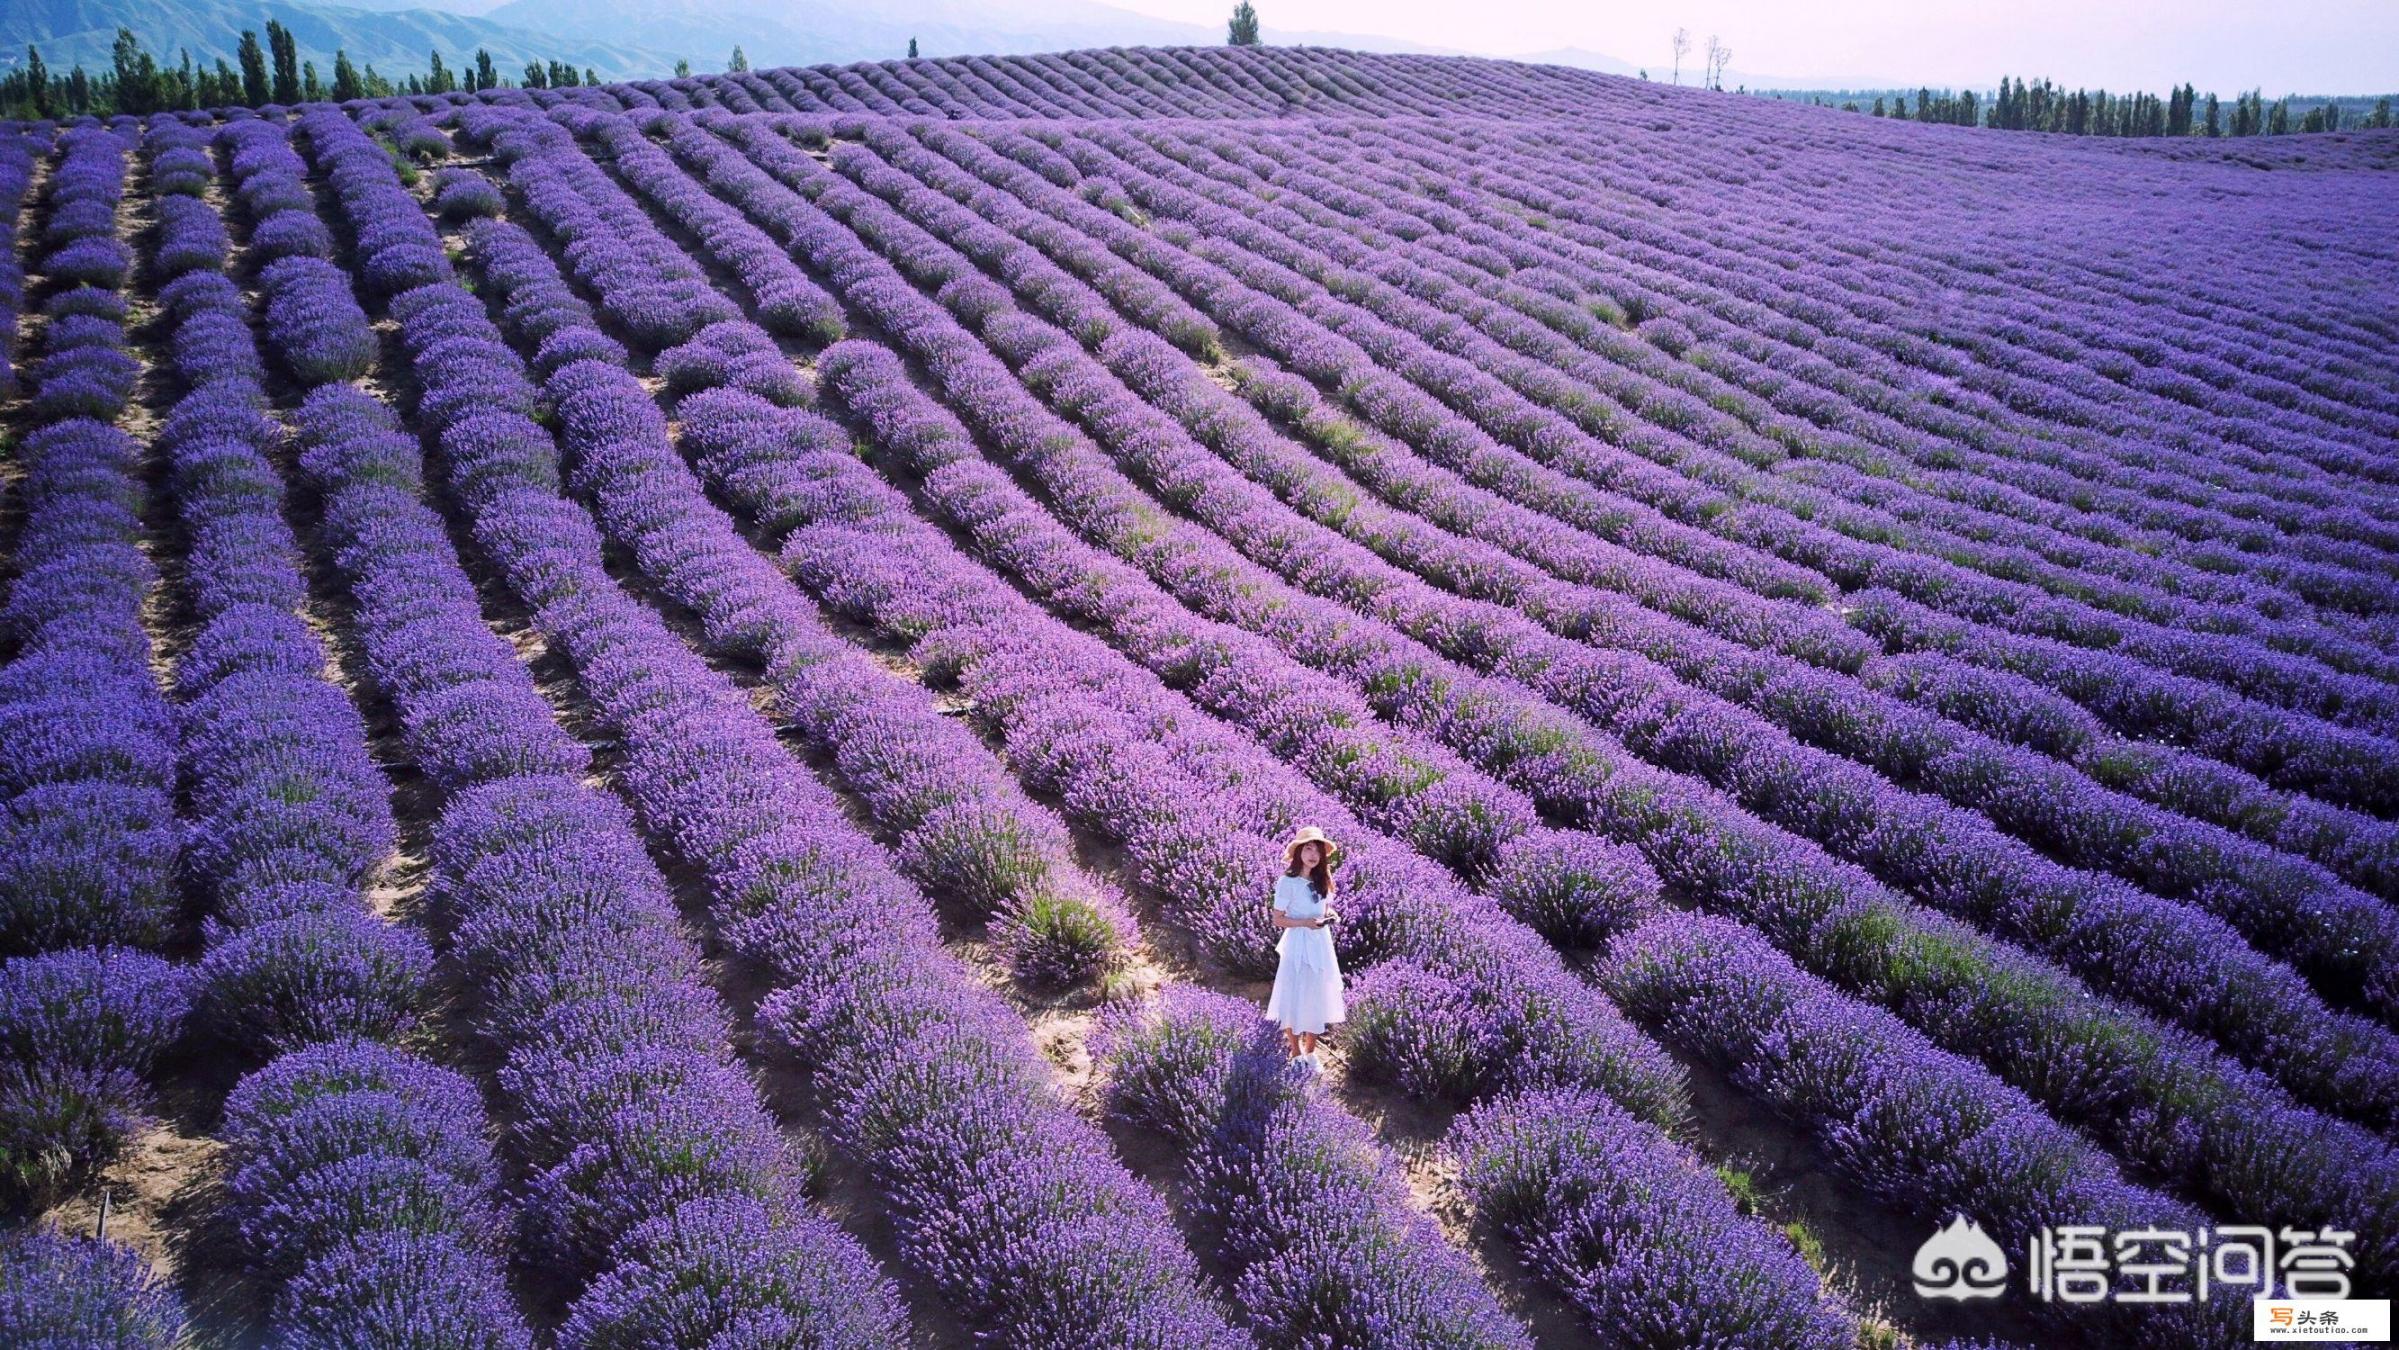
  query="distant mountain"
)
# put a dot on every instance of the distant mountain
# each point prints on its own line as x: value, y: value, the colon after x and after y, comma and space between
x: 813, y: 32
x: 471, y: 8
x: 643, y: 38
x: 395, y: 41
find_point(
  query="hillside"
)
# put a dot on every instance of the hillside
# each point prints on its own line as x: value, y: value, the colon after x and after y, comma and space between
x: 1191, y: 697
x: 395, y: 40
x: 616, y: 39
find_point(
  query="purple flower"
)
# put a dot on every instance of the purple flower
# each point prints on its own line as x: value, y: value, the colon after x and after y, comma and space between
x: 1309, y: 1214
x: 74, y: 1293
x: 409, y: 1290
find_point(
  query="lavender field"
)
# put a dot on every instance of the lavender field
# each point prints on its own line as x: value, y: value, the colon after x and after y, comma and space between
x: 663, y: 714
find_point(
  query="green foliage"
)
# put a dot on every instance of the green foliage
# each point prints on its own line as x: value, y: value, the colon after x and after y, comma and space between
x: 254, y: 70
x: 1242, y: 30
x: 285, y: 53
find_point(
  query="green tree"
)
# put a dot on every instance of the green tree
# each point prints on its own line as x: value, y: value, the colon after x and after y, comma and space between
x: 311, y: 88
x: 37, y: 78
x: 912, y: 49
x: 1242, y: 29
x: 79, y: 90
x: 591, y: 77
x: 2380, y: 118
x: 253, y: 57
x: 739, y: 64
x: 438, y: 79
x: 487, y: 74
x: 346, y: 84
x: 682, y: 70
x: 537, y: 76
x: 136, y: 75
x: 286, y: 54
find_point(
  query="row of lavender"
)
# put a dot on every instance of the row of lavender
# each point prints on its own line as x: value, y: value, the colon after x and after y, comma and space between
x: 656, y: 1190
x: 2086, y: 825
x: 81, y: 1026
x: 2205, y: 957
x: 2343, y: 838
x: 1391, y: 1292
x: 879, y: 401
x: 1944, y: 507
x: 87, y: 750
x: 360, y: 1183
x: 895, y: 749
x: 19, y: 153
x: 1696, y: 284
x: 2144, y: 704
x: 2227, y: 1113
x: 1699, y: 116
x: 1384, y: 1298
x: 2226, y: 1131
x: 2321, y: 757
x: 1400, y: 1284
x: 1010, y: 1204
x: 1526, y: 402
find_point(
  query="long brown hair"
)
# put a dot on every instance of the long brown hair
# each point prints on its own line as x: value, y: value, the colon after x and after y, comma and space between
x: 1320, y: 876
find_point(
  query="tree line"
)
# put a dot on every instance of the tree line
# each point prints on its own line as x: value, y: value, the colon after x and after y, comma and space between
x: 2042, y: 105
x: 2027, y: 105
x: 261, y: 73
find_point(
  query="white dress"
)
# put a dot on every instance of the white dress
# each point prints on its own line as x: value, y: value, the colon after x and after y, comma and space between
x: 1307, y: 983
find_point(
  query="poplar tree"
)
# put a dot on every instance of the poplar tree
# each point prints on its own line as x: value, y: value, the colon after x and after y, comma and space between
x: 254, y: 69
x: 38, y: 76
x: 287, y: 62
x: 1242, y: 30
x: 137, y: 75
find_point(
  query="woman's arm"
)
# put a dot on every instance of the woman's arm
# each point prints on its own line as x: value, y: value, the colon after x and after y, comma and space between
x: 1282, y: 918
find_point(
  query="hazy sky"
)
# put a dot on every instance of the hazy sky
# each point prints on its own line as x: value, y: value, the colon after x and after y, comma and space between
x: 2303, y: 46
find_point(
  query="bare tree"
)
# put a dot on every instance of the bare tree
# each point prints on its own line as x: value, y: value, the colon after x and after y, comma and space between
x: 1719, y: 56
x: 1682, y: 44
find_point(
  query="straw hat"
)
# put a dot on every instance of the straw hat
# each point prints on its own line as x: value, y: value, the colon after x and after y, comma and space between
x: 1309, y: 834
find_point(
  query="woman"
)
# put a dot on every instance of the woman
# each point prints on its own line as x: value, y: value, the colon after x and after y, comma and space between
x: 1307, y: 982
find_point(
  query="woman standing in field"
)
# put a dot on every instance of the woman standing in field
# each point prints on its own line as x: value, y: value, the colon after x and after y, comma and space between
x: 1307, y: 983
